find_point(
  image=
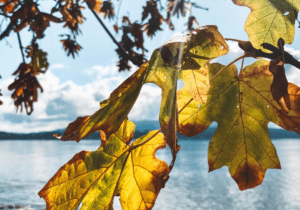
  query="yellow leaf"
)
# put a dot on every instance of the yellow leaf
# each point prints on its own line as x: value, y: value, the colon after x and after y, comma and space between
x: 242, y: 105
x: 270, y: 20
x: 197, y: 83
x: 190, y: 52
x: 112, y: 114
x: 116, y: 168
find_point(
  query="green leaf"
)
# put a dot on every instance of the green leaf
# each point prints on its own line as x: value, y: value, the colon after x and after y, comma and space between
x: 116, y: 168
x: 270, y: 20
x: 242, y: 105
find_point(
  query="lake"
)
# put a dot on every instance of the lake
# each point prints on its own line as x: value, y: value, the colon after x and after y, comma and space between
x: 26, y: 166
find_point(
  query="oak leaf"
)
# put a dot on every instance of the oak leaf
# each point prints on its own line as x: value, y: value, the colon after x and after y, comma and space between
x: 118, y: 167
x: 242, y: 105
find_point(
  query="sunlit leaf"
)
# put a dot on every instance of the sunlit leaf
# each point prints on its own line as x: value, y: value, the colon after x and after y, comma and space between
x: 196, y: 82
x: 113, y: 110
x: 270, y: 20
x: 94, y: 4
x: 242, y: 105
x: 187, y: 53
x: 117, y: 168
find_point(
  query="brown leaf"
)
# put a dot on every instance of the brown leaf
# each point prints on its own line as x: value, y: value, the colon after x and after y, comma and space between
x: 9, y: 5
x: 116, y: 28
x: 156, y: 19
x: 94, y: 4
x: 72, y: 16
x: 71, y: 46
x: 192, y: 20
x: 107, y: 9
x: 176, y: 7
x: 26, y: 84
x: 279, y: 87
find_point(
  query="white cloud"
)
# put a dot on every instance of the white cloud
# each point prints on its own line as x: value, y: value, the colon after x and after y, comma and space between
x: 63, y: 101
x: 58, y: 66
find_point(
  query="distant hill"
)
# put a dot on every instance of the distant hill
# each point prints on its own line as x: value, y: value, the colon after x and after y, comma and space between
x: 142, y: 127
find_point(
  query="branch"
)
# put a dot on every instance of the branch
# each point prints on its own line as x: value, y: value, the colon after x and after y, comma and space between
x: 132, y: 59
x: 21, y: 47
x: 257, y: 53
x: 9, y: 28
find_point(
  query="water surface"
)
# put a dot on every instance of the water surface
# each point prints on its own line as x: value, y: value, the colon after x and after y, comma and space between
x: 26, y: 166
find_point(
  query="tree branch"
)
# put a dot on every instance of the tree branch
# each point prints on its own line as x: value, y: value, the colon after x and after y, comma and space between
x: 132, y: 59
x: 21, y: 47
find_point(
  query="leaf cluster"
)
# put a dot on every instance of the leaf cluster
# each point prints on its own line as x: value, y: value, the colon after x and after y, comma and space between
x: 21, y: 14
x: 26, y: 84
x: 241, y: 102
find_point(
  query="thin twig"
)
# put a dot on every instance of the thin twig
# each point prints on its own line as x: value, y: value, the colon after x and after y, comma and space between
x: 243, y: 56
x: 132, y: 59
x: 21, y: 47
x: 120, y: 4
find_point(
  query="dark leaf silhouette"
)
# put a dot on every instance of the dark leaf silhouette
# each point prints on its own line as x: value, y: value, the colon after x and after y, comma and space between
x: 26, y: 84
x: 25, y: 88
x: 107, y: 10
x: 71, y: 46
x: 135, y: 30
x: 279, y: 87
x: 176, y: 7
x: 156, y: 19
x: 192, y: 20
x: 72, y: 16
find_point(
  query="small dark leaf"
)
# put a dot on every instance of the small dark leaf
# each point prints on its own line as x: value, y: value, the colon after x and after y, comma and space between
x: 279, y: 87
x: 107, y: 9
x: 72, y: 16
x: 71, y: 46
x: 156, y: 19
x: 192, y: 20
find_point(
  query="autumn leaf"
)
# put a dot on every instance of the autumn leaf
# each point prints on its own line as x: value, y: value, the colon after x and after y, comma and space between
x: 25, y: 88
x: 71, y: 46
x: 192, y: 20
x: 270, y: 20
x: 164, y: 68
x: 279, y: 86
x: 118, y: 167
x: 197, y: 83
x: 113, y: 110
x: 156, y: 19
x: 107, y: 9
x: 242, y: 105
x: 72, y: 16
x: 94, y: 4
x: 187, y: 53
x: 9, y: 5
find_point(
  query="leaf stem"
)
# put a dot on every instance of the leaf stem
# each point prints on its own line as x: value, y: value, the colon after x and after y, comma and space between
x: 21, y: 46
x: 144, y: 142
x: 232, y: 62
x: 132, y: 59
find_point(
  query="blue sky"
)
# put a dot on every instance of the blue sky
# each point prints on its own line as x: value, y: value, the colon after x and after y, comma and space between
x: 74, y: 87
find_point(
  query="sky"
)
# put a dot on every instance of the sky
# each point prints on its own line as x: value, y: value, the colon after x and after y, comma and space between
x: 75, y: 87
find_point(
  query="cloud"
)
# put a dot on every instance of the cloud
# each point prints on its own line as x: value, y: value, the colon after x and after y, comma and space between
x: 63, y: 101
